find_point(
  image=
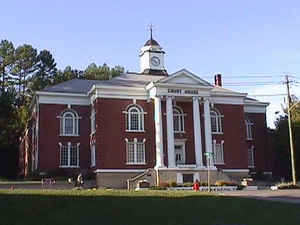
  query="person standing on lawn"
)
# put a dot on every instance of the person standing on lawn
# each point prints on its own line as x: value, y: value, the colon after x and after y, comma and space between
x: 80, y: 180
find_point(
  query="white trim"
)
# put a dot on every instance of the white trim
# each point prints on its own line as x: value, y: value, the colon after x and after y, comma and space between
x: 197, y: 132
x: 227, y: 100
x: 215, y: 113
x: 170, y: 133
x: 135, y: 151
x: 249, y: 130
x: 158, y: 134
x: 187, y: 166
x: 46, y: 93
x: 140, y: 118
x: 181, y: 143
x: 255, y: 109
x: 64, y: 99
x: 179, y: 178
x: 187, y: 73
x: 235, y: 170
x: 212, y: 168
x: 123, y: 96
x: 119, y: 170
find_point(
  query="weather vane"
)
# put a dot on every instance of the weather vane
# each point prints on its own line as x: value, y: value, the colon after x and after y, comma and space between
x: 151, y: 26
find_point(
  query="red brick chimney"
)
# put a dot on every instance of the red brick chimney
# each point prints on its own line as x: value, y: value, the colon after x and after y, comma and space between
x: 218, y: 80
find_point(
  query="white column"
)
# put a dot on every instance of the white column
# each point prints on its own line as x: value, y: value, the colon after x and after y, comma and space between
x: 170, y: 133
x: 197, y: 132
x: 207, y: 126
x: 158, y: 133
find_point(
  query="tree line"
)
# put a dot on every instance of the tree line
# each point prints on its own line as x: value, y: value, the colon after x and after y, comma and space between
x: 23, y: 71
x: 280, y: 142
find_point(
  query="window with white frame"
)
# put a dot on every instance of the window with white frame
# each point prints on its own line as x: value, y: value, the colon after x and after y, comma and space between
x: 218, y: 150
x: 93, y: 155
x: 251, y: 157
x: 69, y: 155
x: 93, y: 121
x: 178, y: 120
x: 134, y: 118
x: 216, y: 121
x: 135, y: 151
x: 69, y: 123
x: 249, y: 126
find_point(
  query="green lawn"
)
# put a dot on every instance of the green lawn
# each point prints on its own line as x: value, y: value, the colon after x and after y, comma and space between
x: 129, y: 208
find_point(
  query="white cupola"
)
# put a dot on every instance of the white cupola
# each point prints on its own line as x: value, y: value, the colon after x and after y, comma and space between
x: 152, y: 58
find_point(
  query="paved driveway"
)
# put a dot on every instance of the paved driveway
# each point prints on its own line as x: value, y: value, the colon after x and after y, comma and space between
x: 290, y: 196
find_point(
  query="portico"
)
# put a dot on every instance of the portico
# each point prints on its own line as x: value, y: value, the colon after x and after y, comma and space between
x: 182, y: 87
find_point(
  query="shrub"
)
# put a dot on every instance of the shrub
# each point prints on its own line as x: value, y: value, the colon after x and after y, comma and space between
x: 172, y: 184
x: 164, y: 185
x: 90, y: 175
x: 203, y: 184
x: 157, y: 188
x: 224, y: 183
x: 188, y: 184
x: 287, y: 186
x: 35, y: 175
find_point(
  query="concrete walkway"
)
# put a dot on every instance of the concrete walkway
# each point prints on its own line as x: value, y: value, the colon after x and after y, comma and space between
x: 290, y: 196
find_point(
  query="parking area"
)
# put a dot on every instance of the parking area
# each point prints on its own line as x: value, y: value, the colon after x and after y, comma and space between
x: 290, y: 196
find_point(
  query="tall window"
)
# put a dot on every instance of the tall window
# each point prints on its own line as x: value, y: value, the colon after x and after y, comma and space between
x: 251, y: 157
x: 134, y: 118
x: 249, y: 133
x: 218, y: 150
x: 135, y: 151
x: 216, y: 121
x: 69, y: 123
x: 178, y: 120
x: 93, y: 121
x: 69, y: 155
x: 93, y: 155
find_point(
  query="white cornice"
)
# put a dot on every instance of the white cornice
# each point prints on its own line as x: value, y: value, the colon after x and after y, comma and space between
x: 46, y: 93
x: 119, y: 170
x: 225, y: 94
x: 235, y: 170
x: 119, y: 88
x: 173, y: 85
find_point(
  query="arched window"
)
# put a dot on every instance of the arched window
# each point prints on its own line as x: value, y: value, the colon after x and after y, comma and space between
x: 178, y: 120
x: 134, y: 118
x: 249, y: 126
x: 69, y: 123
x: 216, y: 121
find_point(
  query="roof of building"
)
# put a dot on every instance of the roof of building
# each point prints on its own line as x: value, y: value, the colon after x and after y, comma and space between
x: 83, y: 86
x: 151, y: 41
x: 72, y: 86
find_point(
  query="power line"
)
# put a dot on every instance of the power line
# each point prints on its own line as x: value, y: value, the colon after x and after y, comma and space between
x: 266, y: 95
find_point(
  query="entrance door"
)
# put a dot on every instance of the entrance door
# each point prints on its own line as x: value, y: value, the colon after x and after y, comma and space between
x: 179, y: 154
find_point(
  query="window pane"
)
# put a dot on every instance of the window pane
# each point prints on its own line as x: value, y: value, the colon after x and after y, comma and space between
x: 213, y: 123
x: 64, y: 155
x: 93, y: 155
x: 176, y: 123
x: 130, y: 152
x: 140, y: 153
x: 250, y: 158
x: 134, y: 123
x: 68, y: 125
x: 73, y: 156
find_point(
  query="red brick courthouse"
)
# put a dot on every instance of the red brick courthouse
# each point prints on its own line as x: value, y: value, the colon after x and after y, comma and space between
x: 168, y: 122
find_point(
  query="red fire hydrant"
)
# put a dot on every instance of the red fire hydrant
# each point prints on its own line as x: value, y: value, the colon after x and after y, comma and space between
x: 196, y: 186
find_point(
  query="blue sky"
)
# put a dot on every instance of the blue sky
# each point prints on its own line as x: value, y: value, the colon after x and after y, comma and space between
x: 245, y: 41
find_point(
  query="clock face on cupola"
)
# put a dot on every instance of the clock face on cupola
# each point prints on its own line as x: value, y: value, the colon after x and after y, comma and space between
x: 152, y: 58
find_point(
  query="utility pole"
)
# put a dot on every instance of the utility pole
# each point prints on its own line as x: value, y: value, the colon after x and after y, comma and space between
x: 290, y: 129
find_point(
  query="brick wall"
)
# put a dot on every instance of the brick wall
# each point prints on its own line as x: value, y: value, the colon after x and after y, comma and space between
x: 111, y: 133
x: 49, y: 129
